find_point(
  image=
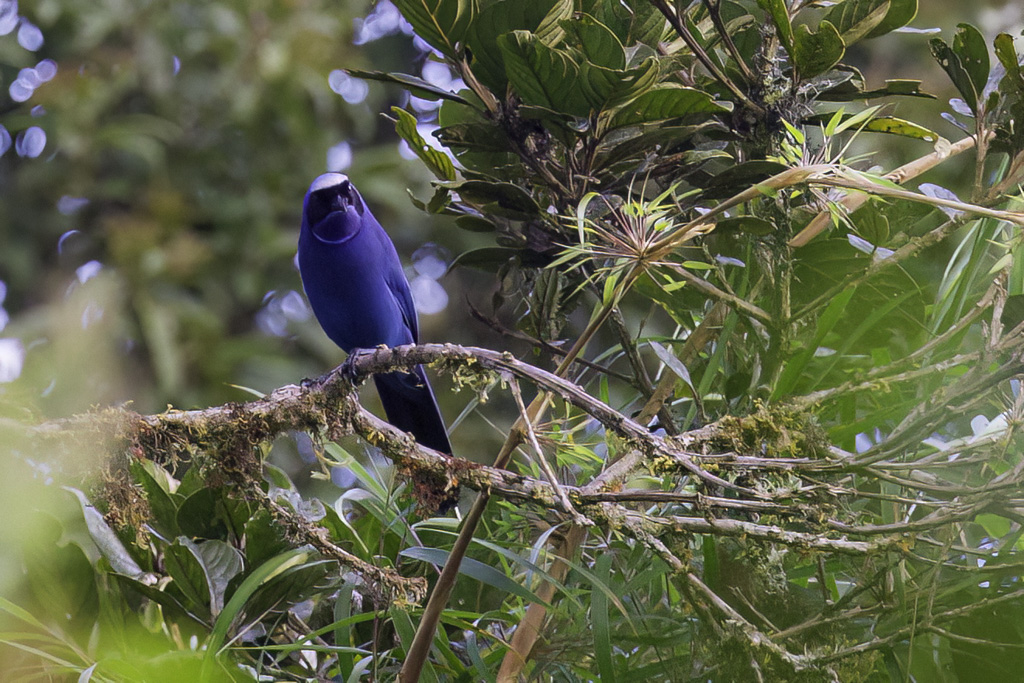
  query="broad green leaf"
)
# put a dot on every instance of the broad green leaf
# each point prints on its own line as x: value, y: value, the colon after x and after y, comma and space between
x: 1007, y: 56
x: 668, y: 101
x: 499, y: 19
x: 474, y: 569
x: 626, y: 145
x: 480, y: 137
x: 258, y: 577
x: 855, y: 19
x: 105, y: 539
x: 490, y: 259
x: 632, y: 21
x: 417, y: 86
x: 289, y: 587
x: 895, y: 126
x: 996, y: 526
x: 950, y: 62
x: 475, y: 224
x: 184, y: 564
x: 200, y: 515
x: 853, y: 90
x: 816, y: 52
x: 509, y: 197
x: 969, y: 45
x: 752, y: 225
x: 871, y: 224
x: 597, y: 42
x: 171, y: 607
x: 901, y: 13
x: 605, y: 88
x: 437, y: 161
x: 541, y: 75
x: 221, y: 563
x: 442, y: 23
x: 162, y: 506
x: 263, y: 538
x: 550, y: 30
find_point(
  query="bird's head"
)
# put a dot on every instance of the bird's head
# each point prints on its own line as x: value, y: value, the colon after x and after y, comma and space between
x: 333, y: 209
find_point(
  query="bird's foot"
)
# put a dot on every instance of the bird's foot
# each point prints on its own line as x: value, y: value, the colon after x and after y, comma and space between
x: 349, y: 369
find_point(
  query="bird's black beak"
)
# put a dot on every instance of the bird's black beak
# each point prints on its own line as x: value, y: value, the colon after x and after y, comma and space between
x: 330, y: 193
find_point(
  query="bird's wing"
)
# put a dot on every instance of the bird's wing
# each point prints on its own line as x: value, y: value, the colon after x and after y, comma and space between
x: 395, y: 279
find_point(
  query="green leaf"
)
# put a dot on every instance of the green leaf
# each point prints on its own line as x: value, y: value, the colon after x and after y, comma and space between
x: 105, y: 539
x: 1007, y: 56
x: 736, y: 178
x: 871, y: 224
x: 497, y: 20
x: 437, y: 161
x: 969, y: 45
x: 828, y: 320
x: 263, y: 538
x: 950, y: 62
x: 259, y: 576
x: 289, y: 587
x: 221, y: 563
x: 512, y: 200
x: 597, y: 42
x: 668, y: 101
x: 442, y: 23
x: 816, y: 52
x: 895, y: 126
x: 541, y: 75
x: 161, y: 504
x: 853, y: 89
x: 606, y: 88
x: 171, y: 607
x: 752, y: 225
x: 475, y: 224
x: 476, y: 136
x: 779, y: 14
x: 995, y: 526
x: 417, y: 86
x: 674, y: 364
x: 901, y: 13
x: 550, y: 30
x: 600, y: 620
x: 490, y: 259
x: 855, y: 19
x: 199, y: 515
x: 184, y: 565
x: 474, y: 569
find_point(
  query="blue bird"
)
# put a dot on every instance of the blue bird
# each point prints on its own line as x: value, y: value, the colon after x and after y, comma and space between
x: 355, y: 284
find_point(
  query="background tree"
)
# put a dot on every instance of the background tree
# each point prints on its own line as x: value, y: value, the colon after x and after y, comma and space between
x: 773, y: 427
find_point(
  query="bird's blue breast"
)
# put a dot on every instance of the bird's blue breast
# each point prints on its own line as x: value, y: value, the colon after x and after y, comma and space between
x: 350, y: 288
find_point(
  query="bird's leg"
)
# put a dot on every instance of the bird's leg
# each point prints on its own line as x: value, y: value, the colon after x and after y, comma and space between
x: 348, y: 369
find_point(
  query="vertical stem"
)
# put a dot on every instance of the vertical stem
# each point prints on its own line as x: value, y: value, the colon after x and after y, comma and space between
x: 419, y: 650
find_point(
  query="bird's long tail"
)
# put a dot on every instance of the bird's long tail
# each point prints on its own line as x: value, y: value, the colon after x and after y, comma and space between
x: 410, y: 405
